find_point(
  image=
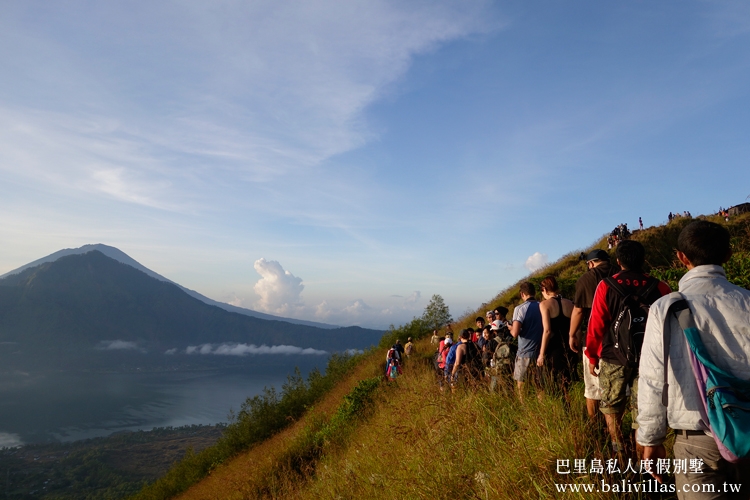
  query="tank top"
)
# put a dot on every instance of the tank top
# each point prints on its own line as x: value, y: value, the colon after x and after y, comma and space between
x: 560, y: 326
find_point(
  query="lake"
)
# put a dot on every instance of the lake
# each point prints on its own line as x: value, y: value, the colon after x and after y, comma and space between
x: 69, y: 406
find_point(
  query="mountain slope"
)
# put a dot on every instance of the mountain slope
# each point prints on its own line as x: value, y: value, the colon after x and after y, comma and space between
x: 120, y: 256
x: 66, y: 310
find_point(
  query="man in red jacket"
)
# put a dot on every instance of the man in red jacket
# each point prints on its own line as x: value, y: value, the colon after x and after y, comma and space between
x: 615, y: 334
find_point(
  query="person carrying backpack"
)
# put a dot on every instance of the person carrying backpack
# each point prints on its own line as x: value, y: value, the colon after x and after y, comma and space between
x: 720, y: 311
x: 615, y: 334
x: 409, y: 347
x: 503, y: 359
x: 450, y: 360
x: 468, y: 359
x: 393, y: 366
x: 597, y: 262
x: 399, y: 349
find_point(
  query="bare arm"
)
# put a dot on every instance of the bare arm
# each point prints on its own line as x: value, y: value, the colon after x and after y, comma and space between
x: 546, y: 323
x: 515, y: 329
x: 460, y: 350
x: 576, y: 318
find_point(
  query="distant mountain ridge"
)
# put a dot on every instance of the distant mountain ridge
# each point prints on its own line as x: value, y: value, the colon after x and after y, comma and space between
x: 120, y: 256
x: 90, y: 311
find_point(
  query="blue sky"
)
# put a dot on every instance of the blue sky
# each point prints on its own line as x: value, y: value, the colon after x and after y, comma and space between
x: 343, y: 161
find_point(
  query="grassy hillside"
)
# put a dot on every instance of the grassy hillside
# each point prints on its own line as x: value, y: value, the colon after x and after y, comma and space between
x: 409, y: 439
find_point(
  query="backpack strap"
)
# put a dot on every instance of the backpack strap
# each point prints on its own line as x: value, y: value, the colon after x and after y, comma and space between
x: 676, y: 308
x: 614, y: 285
x: 645, y: 292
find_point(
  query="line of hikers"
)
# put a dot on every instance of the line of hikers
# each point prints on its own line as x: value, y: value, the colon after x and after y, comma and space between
x: 498, y: 350
x: 394, y: 358
x: 677, y: 215
x: 620, y: 321
x: 487, y: 352
x: 620, y: 233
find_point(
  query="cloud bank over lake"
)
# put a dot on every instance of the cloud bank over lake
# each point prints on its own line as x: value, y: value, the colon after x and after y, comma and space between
x: 230, y: 349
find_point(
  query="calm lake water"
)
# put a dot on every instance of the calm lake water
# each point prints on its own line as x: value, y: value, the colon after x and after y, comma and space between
x: 72, y: 406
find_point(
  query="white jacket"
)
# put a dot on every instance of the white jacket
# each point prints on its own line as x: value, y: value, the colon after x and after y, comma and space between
x: 722, y: 314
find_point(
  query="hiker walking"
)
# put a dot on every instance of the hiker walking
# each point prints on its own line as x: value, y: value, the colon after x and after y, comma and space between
x: 527, y: 328
x: 442, y: 352
x: 555, y: 354
x: 615, y: 335
x: 720, y: 311
x: 409, y: 347
x: 487, y: 344
x: 599, y: 267
x: 468, y: 360
x: 400, y: 349
x: 392, y: 366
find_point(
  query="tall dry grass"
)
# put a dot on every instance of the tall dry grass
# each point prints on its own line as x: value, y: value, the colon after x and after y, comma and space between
x: 423, y: 443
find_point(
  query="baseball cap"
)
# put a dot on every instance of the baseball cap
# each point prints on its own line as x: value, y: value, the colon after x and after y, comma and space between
x: 597, y: 255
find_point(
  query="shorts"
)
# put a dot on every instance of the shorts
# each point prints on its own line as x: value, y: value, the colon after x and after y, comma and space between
x: 614, y: 381
x: 524, y: 368
x: 592, y: 391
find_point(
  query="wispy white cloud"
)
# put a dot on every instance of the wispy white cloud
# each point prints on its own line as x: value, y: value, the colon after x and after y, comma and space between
x: 246, y: 349
x: 162, y: 104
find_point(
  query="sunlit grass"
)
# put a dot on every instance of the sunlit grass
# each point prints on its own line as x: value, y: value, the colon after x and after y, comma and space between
x: 424, y: 443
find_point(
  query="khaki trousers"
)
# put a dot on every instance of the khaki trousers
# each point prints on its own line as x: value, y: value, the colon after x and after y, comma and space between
x: 717, y: 474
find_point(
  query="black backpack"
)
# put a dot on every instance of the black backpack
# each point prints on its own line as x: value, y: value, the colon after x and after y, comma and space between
x: 473, y: 361
x: 629, y: 319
